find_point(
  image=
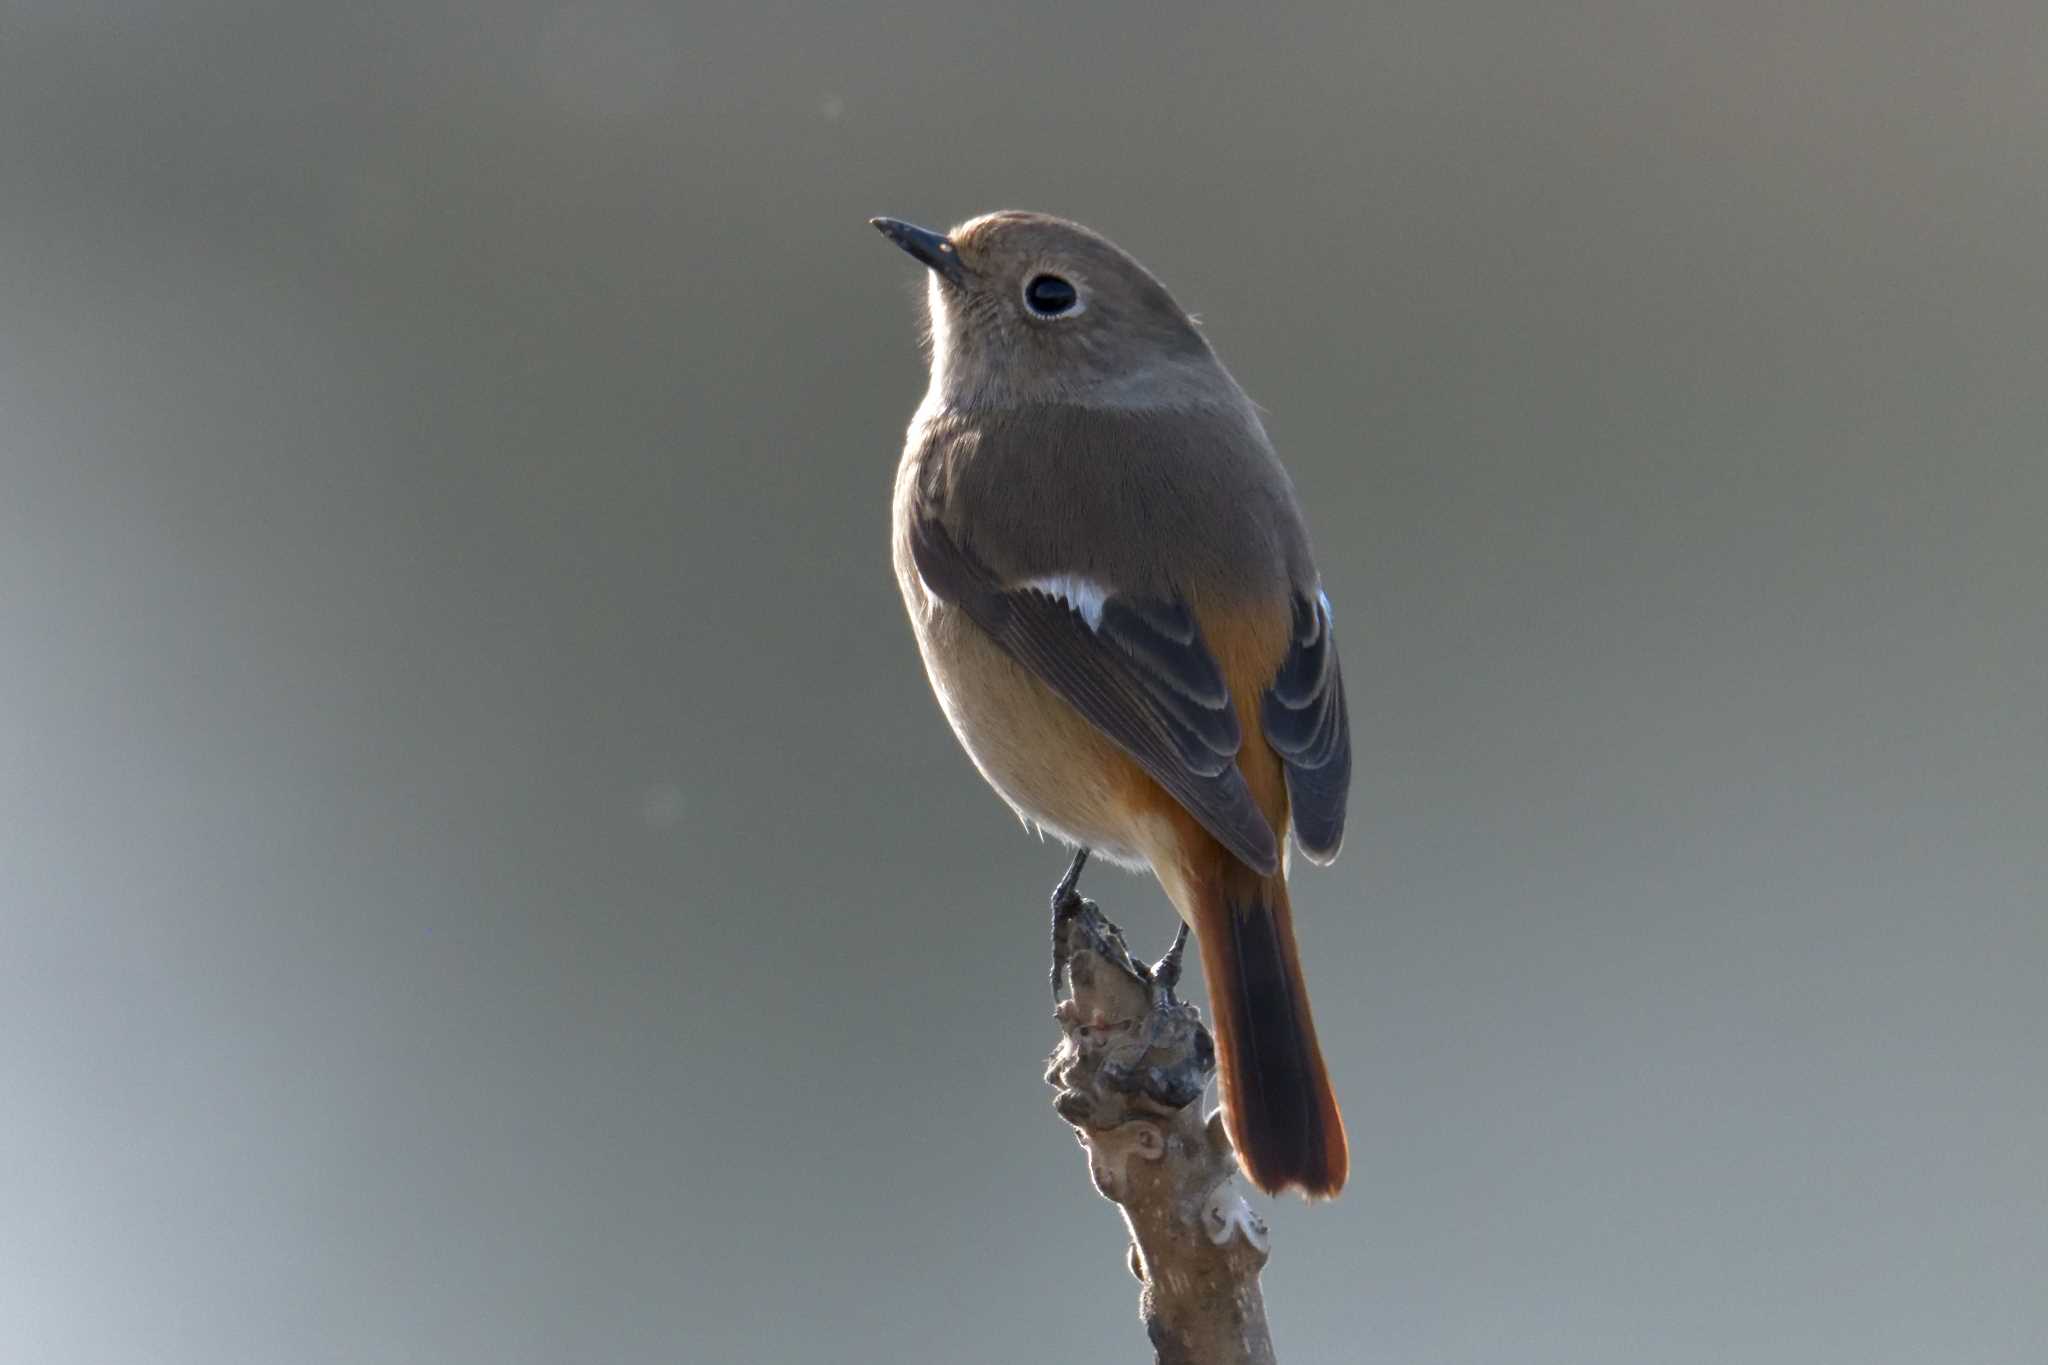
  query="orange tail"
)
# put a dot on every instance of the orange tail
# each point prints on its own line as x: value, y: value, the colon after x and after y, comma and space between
x: 1277, y: 1101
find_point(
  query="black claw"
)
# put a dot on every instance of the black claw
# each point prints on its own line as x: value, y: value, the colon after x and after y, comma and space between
x: 1166, y: 972
x: 1065, y: 903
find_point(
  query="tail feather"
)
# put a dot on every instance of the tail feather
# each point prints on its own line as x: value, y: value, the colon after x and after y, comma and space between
x: 1277, y: 1101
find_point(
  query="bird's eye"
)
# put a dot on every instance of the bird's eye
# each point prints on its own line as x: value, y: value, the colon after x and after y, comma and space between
x: 1049, y: 296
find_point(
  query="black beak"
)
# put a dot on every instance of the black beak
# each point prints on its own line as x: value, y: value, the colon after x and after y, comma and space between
x: 934, y: 249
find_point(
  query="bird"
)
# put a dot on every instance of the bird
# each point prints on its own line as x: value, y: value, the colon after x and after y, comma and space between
x: 1109, y: 577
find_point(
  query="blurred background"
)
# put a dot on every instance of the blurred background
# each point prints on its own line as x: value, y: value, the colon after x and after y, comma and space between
x: 483, y: 879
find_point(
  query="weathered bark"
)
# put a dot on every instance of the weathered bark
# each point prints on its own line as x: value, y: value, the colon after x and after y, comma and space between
x: 1130, y: 1071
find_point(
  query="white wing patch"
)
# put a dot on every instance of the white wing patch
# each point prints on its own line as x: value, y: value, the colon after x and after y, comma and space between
x: 1077, y: 592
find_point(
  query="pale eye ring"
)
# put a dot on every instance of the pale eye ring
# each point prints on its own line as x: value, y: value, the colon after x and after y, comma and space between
x: 1048, y: 295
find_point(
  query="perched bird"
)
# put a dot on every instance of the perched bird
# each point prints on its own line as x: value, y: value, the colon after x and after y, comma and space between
x: 1111, y: 586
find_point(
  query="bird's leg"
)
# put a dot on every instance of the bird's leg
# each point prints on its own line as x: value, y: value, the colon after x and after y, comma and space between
x: 1064, y: 892
x: 1165, y: 974
x: 1166, y: 971
x: 1066, y: 902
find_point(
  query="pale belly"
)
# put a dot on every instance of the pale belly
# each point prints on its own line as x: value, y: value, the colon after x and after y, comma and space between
x: 1054, y: 769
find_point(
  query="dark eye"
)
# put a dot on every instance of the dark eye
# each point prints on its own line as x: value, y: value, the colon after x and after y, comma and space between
x: 1049, y: 296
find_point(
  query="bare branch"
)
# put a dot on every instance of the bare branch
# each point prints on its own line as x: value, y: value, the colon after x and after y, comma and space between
x: 1130, y: 1071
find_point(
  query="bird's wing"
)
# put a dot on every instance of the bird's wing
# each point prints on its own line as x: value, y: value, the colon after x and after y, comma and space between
x: 1303, y: 716
x: 1136, y: 667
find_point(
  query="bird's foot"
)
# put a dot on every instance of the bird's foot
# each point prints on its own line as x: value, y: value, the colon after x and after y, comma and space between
x: 1164, y: 975
x: 1166, y: 971
x: 1066, y: 903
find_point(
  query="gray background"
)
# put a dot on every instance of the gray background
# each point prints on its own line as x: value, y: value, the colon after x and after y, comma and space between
x: 484, y: 878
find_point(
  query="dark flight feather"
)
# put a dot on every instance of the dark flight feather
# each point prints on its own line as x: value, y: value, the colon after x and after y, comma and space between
x: 1304, y: 719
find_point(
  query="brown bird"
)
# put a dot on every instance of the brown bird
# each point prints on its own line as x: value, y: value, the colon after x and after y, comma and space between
x: 1111, y: 585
